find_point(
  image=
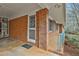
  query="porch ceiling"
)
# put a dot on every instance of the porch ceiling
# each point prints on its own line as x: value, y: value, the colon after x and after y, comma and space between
x: 13, y: 10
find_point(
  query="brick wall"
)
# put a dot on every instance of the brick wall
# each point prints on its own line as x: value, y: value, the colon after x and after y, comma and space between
x: 41, y: 28
x: 18, y: 28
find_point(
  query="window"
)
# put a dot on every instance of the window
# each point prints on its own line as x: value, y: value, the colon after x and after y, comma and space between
x: 52, y: 25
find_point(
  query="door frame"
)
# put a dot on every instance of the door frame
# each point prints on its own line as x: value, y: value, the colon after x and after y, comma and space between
x: 31, y: 40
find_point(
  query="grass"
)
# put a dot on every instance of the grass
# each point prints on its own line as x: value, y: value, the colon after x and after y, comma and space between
x: 73, y: 39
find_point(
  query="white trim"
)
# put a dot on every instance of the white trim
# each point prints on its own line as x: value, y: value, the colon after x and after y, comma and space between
x: 28, y: 30
x: 32, y: 28
x: 50, y: 17
x: 31, y: 40
x: 47, y: 31
x: 50, y: 31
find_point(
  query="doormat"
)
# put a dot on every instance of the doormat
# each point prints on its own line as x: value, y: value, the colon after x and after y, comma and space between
x: 27, y: 46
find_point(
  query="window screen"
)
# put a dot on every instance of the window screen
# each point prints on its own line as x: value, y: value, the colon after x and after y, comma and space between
x: 32, y: 34
x: 32, y: 21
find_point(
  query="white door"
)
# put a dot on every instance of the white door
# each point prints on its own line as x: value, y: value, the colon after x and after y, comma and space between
x: 31, y: 30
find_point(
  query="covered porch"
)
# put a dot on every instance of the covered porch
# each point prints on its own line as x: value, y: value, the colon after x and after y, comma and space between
x: 39, y: 24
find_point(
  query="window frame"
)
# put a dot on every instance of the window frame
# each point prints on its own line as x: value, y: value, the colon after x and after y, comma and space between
x: 53, y: 27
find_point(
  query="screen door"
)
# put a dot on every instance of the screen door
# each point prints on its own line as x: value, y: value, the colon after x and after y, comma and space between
x: 32, y: 28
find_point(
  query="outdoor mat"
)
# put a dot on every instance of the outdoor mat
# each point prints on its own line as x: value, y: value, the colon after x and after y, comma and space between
x: 27, y: 46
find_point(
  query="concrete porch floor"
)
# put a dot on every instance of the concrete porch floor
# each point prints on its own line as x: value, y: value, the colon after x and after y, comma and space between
x: 14, y: 48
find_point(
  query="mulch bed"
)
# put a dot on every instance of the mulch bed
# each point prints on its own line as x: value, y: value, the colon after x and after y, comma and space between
x: 70, y: 50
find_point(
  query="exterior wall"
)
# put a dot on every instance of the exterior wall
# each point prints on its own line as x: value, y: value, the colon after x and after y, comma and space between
x: 53, y: 38
x: 58, y: 13
x: 41, y: 28
x: 18, y: 28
